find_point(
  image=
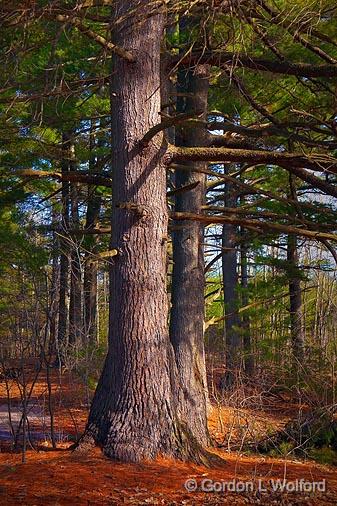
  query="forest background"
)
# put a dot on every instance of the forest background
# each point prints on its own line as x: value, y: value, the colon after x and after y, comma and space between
x: 248, y: 105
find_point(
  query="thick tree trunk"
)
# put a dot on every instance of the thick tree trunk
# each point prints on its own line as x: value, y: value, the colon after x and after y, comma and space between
x: 188, y: 276
x: 230, y: 284
x: 137, y: 407
x: 295, y: 301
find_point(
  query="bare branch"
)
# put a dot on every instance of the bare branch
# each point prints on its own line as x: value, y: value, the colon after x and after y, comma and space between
x: 224, y: 58
x: 292, y: 162
x: 74, y: 177
x: 254, y: 224
x: 77, y: 23
x: 167, y: 122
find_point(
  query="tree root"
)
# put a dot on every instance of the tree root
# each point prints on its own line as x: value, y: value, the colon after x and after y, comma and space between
x: 190, y: 450
x: 85, y: 444
x: 186, y: 449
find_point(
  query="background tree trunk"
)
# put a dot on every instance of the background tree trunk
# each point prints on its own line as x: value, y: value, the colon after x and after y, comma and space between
x: 245, y: 320
x: 63, y: 311
x: 91, y: 269
x: 76, y: 286
x: 230, y: 284
x: 295, y: 301
x: 188, y: 276
x: 90, y: 266
x: 295, y: 292
x: 54, y: 288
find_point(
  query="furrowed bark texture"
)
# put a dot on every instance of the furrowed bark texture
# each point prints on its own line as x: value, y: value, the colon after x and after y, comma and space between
x: 135, y: 411
x: 188, y: 306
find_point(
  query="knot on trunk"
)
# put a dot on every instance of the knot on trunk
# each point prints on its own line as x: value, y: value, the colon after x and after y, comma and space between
x: 142, y: 213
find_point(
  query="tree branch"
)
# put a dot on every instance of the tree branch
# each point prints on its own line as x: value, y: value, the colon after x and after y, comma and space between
x: 249, y: 189
x: 274, y: 216
x: 221, y: 58
x: 73, y: 177
x: 246, y: 223
x: 77, y: 23
x: 254, y: 224
x: 64, y: 89
x: 167, y: 122
x: 292, y: 162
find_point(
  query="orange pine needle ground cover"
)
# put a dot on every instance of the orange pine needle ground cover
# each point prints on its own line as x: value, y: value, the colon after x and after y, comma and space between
x: 62, y: 478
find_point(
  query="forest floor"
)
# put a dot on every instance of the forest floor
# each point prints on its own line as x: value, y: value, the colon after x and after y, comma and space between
x: 59, y: 477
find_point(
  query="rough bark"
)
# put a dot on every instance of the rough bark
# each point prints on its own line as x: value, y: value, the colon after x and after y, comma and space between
x: 137, y: 411
x: 188, y: 278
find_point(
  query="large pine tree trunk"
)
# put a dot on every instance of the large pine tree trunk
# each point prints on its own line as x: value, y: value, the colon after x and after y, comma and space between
x: 137, y: 407
x: 188, y: 276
